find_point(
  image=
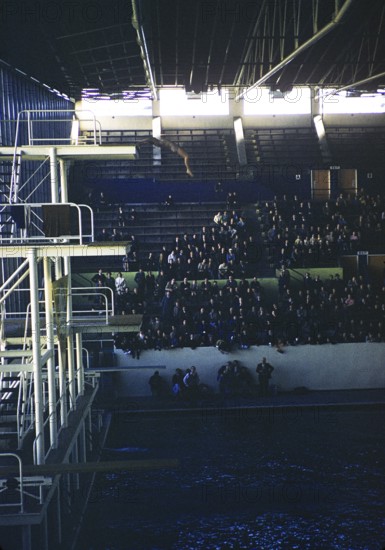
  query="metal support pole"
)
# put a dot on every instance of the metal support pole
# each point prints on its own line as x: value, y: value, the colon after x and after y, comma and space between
x: 45, y: 532
x: 36, y: 355
x: 54, y: 178
x: 82, y: 443
x: 91, y: 448
x: 26, y: 536
x: 29, y: 126
x: 58, y: 515
x: 50, y: 347
x: 71, y: 372
x: 55, y: 198
x: 67, y: 492
x: 79, y: 362
x: 70, y: 340
x: 62, y: 383
x: 63, y: 180
x: 58, y: 268
x: 76, y: 461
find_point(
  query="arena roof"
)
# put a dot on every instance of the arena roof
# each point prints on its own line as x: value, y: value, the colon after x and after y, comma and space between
x: 139, y: 46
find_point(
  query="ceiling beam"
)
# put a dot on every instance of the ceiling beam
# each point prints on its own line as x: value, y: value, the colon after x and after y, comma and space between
x: 352, y: 85
x: 335, y: 21
x: 137, y: 24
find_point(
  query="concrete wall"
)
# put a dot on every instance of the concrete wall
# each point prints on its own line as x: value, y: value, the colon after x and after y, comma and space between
x: 120, y: 121
x: 326, y: 367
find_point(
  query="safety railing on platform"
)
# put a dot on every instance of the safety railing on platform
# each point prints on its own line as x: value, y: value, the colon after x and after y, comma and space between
x: 22, y: 381
x: 8, y: 483
x: 42, y: 165
x: 93, y: 377
x: 59, y: 226
x: 25, y: 416
x: 14, y: 380
x: 46, y: 422
x: 40, y: 120
x: 105, y: 307
x: 32, y: 122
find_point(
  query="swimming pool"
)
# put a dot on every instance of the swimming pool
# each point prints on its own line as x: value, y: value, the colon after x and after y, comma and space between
x: 288, y: 477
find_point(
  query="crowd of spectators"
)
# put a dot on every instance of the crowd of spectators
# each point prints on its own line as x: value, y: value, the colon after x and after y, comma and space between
x: 302, y: 233
x: 237, y: 315
x: 203, y: 289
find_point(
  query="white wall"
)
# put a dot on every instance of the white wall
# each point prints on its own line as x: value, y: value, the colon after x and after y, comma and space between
x: 325, y: 367
x: 111, y: 120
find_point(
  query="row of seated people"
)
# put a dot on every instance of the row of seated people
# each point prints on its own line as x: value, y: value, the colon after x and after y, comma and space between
x: 214, y: 252
x: 298, y: 234
x: 239, y: 315
x: 307, y: 233
x: 229, y: 244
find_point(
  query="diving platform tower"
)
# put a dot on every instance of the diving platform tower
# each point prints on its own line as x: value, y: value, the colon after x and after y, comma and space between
x: 47, y: 388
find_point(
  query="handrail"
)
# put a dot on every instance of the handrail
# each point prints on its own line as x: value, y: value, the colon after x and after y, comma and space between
x: 97, y: 288
x: 34, y: 174
x: 27, y: 314
x: 96, y: 123
x: 23, y: 313
x: 2, y: 330
x: 46, y: 421
x: 73, y: 113
x: 35, y: 188
x: 80, y: 236
x: 16, y: 272
x: 91, y: 219
x: 21, y: 482
x: 13, y: 191
x: 87, y: 357
x: 89, y: 311
x: 20, y: 412
x: 16, y: 284
x: 38, y: 217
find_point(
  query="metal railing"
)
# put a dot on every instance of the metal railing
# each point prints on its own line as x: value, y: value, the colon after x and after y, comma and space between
x: 62, y: 426
x: 78, y: 314
x: 21, y: 486
x: 30, y: 121
x: 97, y: 131
x: 43, y: 237
x: 108, y: 307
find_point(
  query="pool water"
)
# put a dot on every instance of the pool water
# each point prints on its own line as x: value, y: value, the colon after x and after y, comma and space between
x: 306, y: 478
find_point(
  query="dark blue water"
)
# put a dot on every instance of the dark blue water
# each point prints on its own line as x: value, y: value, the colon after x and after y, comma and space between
x: 279, y: 478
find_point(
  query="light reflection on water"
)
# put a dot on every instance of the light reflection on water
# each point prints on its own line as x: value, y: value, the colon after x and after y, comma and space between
x: 300, y: 478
